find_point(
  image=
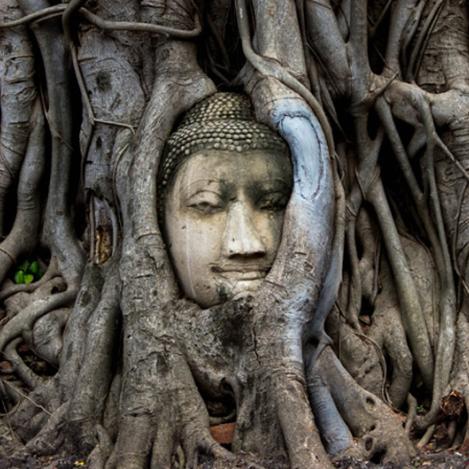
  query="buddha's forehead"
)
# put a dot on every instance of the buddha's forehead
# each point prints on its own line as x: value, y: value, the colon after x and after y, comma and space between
x: 236, y: 168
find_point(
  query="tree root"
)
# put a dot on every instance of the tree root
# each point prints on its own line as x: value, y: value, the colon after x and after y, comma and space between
x: 16, y: 101
x: 459, y: 381
x: 94, y: 380
x: 75, y: 332
x: 25, y: 373
x: 249, y: 350
x: 30, y: 416
x: 270, y: 69
x: 17, y: 303
x: 413, y: 318
x: 379, y: 429
x: 47, y: 336
x: 31, y: 413
x: 388, y: 332
x: 182, y: 417
x: 23, y: 236
x: 102, y: 451
x: 23, y: 322
x: 58, y: 229
x: 51, y: 436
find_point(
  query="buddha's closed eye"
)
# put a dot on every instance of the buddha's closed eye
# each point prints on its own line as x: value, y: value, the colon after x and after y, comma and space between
x: 206, y: 202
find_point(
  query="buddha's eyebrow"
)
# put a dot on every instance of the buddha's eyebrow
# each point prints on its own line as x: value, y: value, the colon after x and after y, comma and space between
x: 274, y: 184
x: 201, y: 185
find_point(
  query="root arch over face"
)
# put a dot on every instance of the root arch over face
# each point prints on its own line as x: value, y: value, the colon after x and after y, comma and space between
x: 364, y: 308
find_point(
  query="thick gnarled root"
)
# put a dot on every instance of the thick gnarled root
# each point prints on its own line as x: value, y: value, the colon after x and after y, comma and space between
x: 380, y: 431
x: 181, y: 420
x: 275, y: 422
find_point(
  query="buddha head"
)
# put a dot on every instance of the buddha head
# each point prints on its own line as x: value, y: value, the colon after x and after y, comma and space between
x: 224, y: 184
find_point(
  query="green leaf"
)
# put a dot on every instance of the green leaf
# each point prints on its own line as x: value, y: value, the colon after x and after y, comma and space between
x: 34, y: 268
x: 28, y: 278
x: 19, y: 276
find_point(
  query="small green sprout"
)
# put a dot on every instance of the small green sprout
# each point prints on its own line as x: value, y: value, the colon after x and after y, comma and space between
x: 28, y: 278
x: 19, y: 276
x: 34, y: 268
x: 420, y: 409
x: 27, y: 272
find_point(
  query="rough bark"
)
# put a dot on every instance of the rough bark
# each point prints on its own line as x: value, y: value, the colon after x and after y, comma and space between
x: 364, y: 312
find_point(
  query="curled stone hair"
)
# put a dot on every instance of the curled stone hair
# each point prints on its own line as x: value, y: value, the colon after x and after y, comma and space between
x: 223, y: 121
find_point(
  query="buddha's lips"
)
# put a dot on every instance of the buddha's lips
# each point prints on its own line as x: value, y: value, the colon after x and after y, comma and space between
x: 241, y: 272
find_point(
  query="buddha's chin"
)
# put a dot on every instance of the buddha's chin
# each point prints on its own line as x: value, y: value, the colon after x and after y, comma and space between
x: 243, y: 288
x: 225, y: 290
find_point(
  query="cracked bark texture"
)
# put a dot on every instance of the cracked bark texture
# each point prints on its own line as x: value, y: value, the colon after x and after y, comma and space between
x: 364, y: 312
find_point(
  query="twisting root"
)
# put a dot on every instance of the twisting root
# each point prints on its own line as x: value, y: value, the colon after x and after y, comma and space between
x: 23, y: 322
x: 69, y: 10
x: 426, y: 437
x: 48, y: 12
x: 27, y: 375
x: 67, y: 17
x: 271, y: 69
x: 47, y: 340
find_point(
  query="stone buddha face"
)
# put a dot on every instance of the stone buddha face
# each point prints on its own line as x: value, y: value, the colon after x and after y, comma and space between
x: 224, y: 204
x: 224, y: 217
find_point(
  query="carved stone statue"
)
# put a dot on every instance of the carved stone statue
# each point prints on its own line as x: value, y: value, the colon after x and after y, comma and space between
x: 224, y: 185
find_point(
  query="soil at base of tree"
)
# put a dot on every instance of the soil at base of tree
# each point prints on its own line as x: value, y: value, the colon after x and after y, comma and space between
x: 447, y: 459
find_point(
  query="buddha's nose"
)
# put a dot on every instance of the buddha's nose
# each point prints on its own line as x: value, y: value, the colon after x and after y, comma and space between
x: 241, y: 237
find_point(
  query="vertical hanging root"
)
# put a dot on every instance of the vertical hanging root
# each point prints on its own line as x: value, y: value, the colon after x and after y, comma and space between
x: 387, y: 324
x: 23, y: 237
x: 408, y: 297
x: 333, y: 277
x: 92, y: 385
x: 305, y: 449
x: 18, y: 94
x: 58, y: 230
x: 379, y: 429
x: 436, y: 233
x: 76, y: 329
